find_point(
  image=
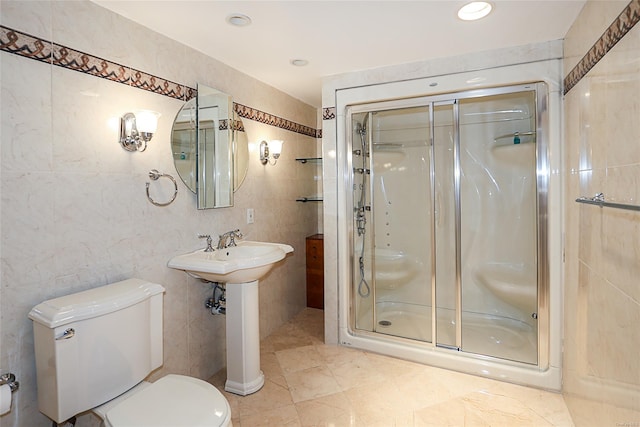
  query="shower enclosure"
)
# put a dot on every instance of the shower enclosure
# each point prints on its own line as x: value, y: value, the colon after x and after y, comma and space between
x: 448, y: 237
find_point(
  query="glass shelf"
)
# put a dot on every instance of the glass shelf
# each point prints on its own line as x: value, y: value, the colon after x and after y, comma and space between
x: 309, y: 199
x: 309, y: 160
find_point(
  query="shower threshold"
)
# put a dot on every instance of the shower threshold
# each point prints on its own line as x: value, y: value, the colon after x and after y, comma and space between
x: 505, y: 337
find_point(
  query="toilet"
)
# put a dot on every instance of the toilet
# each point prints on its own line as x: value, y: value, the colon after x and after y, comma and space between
x: 95, y: 348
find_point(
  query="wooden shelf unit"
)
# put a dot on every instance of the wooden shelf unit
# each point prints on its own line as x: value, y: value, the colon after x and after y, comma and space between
x: 315, y: 271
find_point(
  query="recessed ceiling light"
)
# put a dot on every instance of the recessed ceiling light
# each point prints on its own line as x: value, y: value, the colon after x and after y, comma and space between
x: 474, y: 10
x: 299, y: 62
x: 238, y: 20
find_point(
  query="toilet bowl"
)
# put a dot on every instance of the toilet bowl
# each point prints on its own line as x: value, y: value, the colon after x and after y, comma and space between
x: 94, y: 350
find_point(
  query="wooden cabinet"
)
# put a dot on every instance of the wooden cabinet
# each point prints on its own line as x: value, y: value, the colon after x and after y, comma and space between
x: 315, y: 271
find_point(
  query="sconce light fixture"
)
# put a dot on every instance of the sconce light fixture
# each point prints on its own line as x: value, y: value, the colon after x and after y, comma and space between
x: 137, y: 130
x: 273, y: 151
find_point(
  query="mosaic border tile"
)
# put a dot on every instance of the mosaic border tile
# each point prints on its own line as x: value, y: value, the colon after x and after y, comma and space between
x: 328, y: 113
x: 616, y: 31
x: 72, y: 59
x: 23, y: 44
x: 237, y: 125
x: 158, y: 85
x: 273, y: 120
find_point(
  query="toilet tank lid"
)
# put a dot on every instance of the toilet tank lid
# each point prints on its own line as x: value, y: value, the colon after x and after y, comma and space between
x: 93, y: 302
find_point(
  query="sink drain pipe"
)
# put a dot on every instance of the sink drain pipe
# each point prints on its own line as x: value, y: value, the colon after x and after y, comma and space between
x: 217, y: 303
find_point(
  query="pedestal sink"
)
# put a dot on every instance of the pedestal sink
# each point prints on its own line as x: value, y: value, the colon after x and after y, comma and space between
x: 239, y: 267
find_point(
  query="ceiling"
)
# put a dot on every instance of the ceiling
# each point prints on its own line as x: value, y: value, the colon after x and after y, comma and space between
x: 342, y: 36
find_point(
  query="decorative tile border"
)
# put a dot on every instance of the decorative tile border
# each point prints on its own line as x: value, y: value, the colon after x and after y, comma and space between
x: 23, y: 44
x: 616, y: 31
x: 237, y: 125
x: 77, y: 61
x: 328, y: 113
x: 270, y: 119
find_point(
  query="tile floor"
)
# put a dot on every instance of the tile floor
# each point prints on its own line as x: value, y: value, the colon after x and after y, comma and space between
x: 308, y: 383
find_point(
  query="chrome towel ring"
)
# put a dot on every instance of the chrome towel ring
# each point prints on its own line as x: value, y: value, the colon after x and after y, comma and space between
x: 155, y: 175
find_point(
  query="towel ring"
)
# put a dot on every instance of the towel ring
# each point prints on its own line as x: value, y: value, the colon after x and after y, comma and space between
x: 155, y: 175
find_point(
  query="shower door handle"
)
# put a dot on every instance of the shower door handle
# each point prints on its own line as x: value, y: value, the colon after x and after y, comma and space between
x: 438, y: 209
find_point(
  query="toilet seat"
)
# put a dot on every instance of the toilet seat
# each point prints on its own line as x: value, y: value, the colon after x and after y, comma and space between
x: 174, y: 400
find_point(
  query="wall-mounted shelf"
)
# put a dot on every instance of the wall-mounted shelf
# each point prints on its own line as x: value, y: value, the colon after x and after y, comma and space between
x: 310, y: 160
x: 309, y: 199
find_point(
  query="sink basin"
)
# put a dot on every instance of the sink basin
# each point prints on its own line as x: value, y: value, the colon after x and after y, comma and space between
x: 246, y: 262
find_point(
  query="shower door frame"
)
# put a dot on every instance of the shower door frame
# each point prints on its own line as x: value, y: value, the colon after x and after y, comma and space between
x: 542, y: 184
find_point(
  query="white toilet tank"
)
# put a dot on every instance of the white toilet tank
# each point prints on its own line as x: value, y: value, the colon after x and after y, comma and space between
x: 94, y: 345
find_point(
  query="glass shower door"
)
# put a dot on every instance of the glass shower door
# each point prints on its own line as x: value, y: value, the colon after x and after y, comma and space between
x: 445, y: 227
x: 498, y: 225
x: 392, y: 221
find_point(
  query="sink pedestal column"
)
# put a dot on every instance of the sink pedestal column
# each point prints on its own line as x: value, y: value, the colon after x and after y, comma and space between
x: 243, y: 339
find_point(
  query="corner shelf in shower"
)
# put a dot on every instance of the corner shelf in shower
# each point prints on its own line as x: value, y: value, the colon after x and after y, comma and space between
x: 311, y: 160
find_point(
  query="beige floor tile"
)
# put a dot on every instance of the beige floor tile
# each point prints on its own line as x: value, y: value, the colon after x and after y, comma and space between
x: 424, y: 389
x: 333, y: 410
x: 299, y: 359
x: 286, y: 416
x: 286, y: 337
x: 333, y: 354
x: 503, y: 410
x: 451, y: 413
x: 548, y: 405
x: 356, y: 372
x: 308, y: 383
x: 311, y: 383
x: 380, y: 402
x: 273, y: 395
x: 270, y: 365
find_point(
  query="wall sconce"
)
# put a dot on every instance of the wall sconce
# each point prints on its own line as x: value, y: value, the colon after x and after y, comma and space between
x: 136, y: 131
x: 273, y: 151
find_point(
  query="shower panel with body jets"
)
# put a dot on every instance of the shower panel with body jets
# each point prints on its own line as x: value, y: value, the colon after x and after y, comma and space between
x: 448, y: 230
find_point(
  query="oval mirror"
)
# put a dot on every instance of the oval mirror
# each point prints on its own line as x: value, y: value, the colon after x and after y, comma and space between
x: 210, y: 148
x: 241, y: 154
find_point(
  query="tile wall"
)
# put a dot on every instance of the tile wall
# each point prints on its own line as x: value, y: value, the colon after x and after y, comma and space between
x: 602, y: 154
x: 74, y: 214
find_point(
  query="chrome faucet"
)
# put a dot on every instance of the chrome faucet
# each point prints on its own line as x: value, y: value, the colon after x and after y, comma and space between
x: 209, y: 241
x: 231, y: 236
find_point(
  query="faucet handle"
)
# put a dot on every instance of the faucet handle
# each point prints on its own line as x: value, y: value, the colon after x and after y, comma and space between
x: 209, y: 241
x: 233, y: 235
